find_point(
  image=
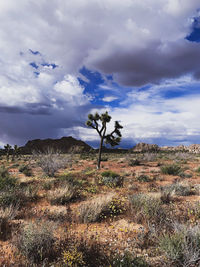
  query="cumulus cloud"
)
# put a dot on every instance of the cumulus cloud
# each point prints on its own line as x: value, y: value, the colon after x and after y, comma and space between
x: 151, y: 117
x: 138, y: 42
x: 45, y: 43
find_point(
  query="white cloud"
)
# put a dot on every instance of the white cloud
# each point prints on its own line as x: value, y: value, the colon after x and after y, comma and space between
x: 139, y: 42
x: 109, y: 98
x: 152, y: 119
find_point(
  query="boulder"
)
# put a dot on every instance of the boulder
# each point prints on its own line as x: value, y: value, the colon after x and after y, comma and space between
x: 143, y: 147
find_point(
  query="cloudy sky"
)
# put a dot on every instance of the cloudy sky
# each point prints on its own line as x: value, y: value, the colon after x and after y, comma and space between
x: 60, y: 60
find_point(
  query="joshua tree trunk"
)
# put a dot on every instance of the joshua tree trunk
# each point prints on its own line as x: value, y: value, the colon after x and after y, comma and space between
x: 100, y: 151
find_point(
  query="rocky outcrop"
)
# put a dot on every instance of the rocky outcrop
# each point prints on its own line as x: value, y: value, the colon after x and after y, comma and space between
x: 143, y: 147
x: 64, y: 145
x: 174, y: 148
x: 194, y: 148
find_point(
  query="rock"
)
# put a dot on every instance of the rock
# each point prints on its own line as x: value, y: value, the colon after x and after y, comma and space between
x: 194, y: 148
x: 64, y: 145
x: 143, y: 147
x: 179, y: 148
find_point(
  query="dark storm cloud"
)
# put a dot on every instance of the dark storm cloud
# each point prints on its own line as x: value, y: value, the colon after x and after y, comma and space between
x: 158, y: 62
x: 18, y: 127
x: 45, y: 43
x: 36, y: 109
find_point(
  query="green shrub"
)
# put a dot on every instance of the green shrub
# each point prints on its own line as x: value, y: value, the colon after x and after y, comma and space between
x: 6, y: 181
x: 72, y: 180
x: 183, y: 245
x: 185, y: 175
x: 6, y: 215
x: 134, y: 162
x: 198, y: 170
x: 18, y: 196
x: 48, y: 185
x: 4, y: 172
x: 111, y: 179
x: 36, y: 241
x: 104, y: 159
x: 143, y: 178
x: 128, y: 260
x: 148, y: 208
x: 171, y: 169
x: 26, y: 170
x: 173, y: 246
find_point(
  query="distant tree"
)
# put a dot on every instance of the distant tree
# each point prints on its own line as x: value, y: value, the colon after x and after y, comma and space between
x: 15, y: 151
x: 99, y: 123
x: 7, y: 149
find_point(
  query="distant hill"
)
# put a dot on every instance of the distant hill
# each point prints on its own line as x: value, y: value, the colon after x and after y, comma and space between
x: 64, y: 144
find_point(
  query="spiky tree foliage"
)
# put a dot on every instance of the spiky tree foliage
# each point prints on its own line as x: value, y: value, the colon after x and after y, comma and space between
x: 99, y: 123
x: 15, y: 151
x: 7, y: 149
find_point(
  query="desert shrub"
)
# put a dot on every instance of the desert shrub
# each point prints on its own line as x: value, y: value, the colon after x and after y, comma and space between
x: 128, y: 260
x: 9, y: 197
x: 178, y: 189
x: 198, y: 170
x: 115, y: 207
x: 84, y: 251
x: 111, y: 179
x: 89, y: 171
x: 26, y: 170
x: 143, y: 178
x: 148, y: 208
x: 63, y: 195
x: 185, y: 175
x: 36, y: 241
x: 6, y: 214
x: 71, y: 179
x: 30, y: 192
x: 92, y: 189
x: 73, y: 257
x: 104, y: 158
x: 91, y: 211
x: 4, y: 172
x: 172, y: 245
x: 6, y: 181
x: 18, y: 196
x: 51, y: 161
x: 48, y: 185
x: 149, y: 157
x: 134, y: 162
x: 166, y: 197
x: 171, y: 169
x: 183, y: 245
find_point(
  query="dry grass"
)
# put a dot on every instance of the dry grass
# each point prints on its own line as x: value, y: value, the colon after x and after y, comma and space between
x: 63, y: 195
x: 92, y: 210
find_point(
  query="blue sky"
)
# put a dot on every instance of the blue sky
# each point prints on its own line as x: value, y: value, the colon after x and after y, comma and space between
x: 61, y: 60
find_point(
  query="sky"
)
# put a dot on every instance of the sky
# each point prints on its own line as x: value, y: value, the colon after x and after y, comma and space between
x: 61, y: 60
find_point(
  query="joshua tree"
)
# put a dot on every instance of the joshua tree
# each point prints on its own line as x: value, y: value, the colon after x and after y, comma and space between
x: 15, y: 151
x: 7, y: 150
x: 99, y: 123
